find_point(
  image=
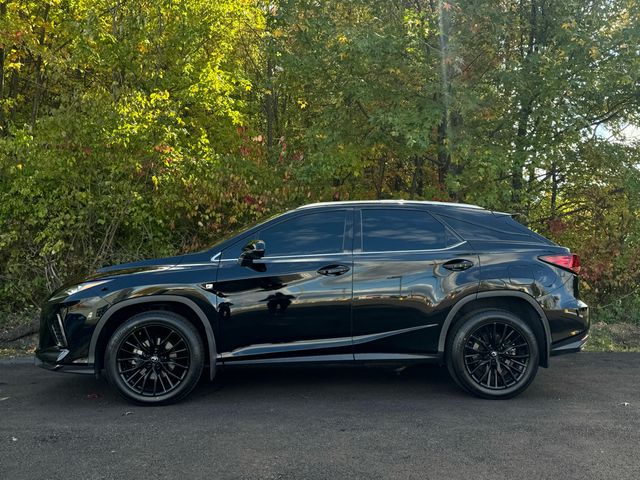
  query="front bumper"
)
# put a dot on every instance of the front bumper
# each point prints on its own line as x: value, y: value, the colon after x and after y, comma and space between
x: 52, y: 358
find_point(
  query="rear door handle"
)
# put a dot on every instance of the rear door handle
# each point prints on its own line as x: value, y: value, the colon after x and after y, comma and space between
x: 458, y: 265
x: 333, y: 270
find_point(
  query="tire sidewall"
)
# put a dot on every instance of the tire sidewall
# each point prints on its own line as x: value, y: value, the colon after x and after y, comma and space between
x: 196, y: 356
x: 461, y: 336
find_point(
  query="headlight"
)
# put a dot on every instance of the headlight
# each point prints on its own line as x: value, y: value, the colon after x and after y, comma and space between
x: 83, y: 286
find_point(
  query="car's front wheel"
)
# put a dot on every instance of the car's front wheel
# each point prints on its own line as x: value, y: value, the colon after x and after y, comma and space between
x: 493, y: 354
x: 155, y: 357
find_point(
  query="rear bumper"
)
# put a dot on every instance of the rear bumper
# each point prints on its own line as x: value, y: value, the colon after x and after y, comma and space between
x: 52, y: 358
x: 570, y: 345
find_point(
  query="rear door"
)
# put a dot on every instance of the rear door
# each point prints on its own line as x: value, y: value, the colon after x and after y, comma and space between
x: 294, y: 304
x: 409, y: 270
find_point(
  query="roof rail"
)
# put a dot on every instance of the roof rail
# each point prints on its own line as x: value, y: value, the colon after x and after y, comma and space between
x: 388, y: 202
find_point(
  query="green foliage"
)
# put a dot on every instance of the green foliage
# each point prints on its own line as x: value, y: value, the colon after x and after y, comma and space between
x: 138, y: 129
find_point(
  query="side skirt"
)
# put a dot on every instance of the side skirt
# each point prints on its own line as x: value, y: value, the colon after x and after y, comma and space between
x: 401, y: 358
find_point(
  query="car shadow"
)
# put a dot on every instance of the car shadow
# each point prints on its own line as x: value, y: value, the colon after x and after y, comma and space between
x: 354, y: 381
x: 237, y: 385
x: 268, y: 383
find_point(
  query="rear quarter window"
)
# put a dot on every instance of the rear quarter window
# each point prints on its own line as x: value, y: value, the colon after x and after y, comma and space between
x: 489, y: 226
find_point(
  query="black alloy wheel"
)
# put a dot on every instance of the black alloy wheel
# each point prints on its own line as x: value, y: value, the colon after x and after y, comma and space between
x: 493, y: 354
x: 155, y: 358
x: 496, y: 355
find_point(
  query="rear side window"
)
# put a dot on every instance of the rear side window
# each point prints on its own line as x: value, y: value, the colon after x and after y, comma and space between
x: 310, y: 234
x: 385, y: 230
x: 487, y: 226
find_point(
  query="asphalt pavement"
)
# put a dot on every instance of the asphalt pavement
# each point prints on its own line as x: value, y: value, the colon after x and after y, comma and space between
x: 579, y: 419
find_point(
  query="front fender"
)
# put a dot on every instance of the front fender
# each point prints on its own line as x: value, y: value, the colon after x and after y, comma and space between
x: 158, y: 298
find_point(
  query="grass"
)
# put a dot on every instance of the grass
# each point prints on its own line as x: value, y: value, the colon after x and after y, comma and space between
x: 13, y: 324
x: 613, y: 337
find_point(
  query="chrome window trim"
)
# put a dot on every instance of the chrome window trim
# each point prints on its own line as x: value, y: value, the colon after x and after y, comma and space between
x: 413, y: 251
x: 309, y: 257
x: 314, y: 256
x: 300, y: 258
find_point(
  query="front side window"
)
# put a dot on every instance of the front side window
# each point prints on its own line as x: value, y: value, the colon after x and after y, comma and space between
x: 310, y: 234
x: 385, y: 230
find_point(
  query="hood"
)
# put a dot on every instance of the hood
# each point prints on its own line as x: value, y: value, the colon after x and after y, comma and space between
x: 150, y: 265
x: 141, y: 266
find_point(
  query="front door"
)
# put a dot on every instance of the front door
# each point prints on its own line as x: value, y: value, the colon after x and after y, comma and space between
x: 409, y: 269
x: 294, y: 304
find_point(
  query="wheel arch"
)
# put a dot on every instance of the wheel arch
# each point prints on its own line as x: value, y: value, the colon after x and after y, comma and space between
x: 121, y: 311
x: 508, y: 300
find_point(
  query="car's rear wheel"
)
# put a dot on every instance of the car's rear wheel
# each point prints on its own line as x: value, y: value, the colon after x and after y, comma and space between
x: 493, y: 354
x: 155, y: 357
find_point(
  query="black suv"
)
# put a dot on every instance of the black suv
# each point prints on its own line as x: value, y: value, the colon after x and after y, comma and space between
x: 372, y: 281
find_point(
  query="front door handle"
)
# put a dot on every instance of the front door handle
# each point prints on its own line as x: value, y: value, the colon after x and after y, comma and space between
x: 458, y: 265
x: 333, y: 270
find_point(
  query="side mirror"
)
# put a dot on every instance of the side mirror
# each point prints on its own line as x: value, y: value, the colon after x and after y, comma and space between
x: 252, y: 251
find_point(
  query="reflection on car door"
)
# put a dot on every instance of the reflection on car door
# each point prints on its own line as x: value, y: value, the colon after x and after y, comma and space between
x: 408, y: 271
x: 294, y: 304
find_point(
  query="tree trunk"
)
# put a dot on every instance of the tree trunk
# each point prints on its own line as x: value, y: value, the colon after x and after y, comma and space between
x: 554, y: 191
x: 38, y: 72
x: 3, y: 13
x: 382, y: 167
x: 417, y: 184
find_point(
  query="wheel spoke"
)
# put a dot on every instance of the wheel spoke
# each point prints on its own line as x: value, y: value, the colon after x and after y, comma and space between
x: 506, y: 337
x: 507, y: 355
x: 128, y: 359
x: 504, y: 380
x: 177, y: 364
x: 517, y: 362
x: 169, y: 372
x: 482, y: 342
x: 173, y: 347
x: 163, y: 343
x: 167, y: 377
x: 161, y: 382
x: 146, y: 332
x: 144, y: 382
x: 155, y: 384
x: 140, y: 342
x: 478, y: 367
x: 137, y: 367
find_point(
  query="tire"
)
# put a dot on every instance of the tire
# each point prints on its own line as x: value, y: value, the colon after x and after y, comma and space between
x: 492, y: 354
x: 155, y: 358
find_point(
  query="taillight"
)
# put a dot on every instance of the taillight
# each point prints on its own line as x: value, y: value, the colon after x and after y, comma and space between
x: 568, y: 261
